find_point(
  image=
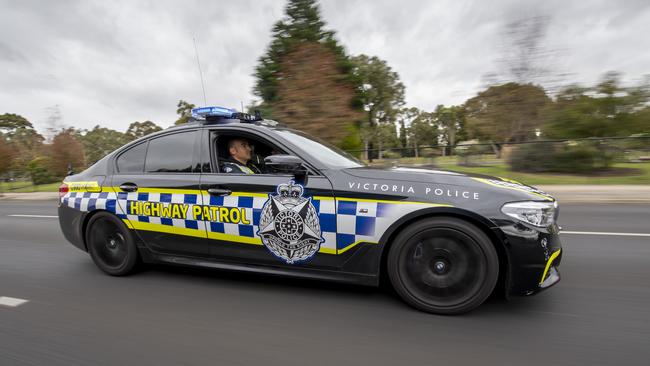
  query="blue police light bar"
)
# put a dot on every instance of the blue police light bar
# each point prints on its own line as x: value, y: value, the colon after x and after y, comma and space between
x: 203, y: 112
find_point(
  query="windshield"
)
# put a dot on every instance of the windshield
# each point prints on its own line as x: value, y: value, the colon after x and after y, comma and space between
x: 330, y: 155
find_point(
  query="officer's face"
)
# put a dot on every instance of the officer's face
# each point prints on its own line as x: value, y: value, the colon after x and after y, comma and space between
x: 241, y: 151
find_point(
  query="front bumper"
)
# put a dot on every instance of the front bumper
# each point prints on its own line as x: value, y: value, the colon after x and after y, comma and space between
x: 551, y: 274
x: 534, y: 258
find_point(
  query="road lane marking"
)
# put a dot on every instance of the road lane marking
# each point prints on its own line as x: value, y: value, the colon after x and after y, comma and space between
x: 602, y: 233
x: 11, y: 301
x: 37, y: 216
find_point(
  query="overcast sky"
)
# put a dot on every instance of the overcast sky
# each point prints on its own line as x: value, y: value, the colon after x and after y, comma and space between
x: 115, y: 62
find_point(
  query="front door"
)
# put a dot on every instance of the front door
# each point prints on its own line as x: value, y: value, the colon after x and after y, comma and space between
x: 267, y: 218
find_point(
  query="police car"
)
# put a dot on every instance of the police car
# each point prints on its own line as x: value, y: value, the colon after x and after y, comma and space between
x: 444, y: 240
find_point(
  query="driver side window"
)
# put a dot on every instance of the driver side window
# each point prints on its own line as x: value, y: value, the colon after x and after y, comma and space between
x: 238, y: 153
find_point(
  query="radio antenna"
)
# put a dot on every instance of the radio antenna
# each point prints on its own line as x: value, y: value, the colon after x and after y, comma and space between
x: 198, y: 63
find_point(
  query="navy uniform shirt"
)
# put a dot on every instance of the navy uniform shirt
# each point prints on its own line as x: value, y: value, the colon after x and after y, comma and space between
x: 235, y: 167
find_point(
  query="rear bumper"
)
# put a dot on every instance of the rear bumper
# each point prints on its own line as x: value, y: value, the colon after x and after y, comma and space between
x: 71, y: 222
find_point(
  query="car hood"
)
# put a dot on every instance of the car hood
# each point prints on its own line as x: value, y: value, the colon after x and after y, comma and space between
x: 430, y: 180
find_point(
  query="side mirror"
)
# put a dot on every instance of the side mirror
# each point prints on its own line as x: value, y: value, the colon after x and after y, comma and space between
x: 287, y: 164
x: 283, y: 163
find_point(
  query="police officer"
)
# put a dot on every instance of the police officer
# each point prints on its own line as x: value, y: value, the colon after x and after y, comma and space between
x: 240, y: 156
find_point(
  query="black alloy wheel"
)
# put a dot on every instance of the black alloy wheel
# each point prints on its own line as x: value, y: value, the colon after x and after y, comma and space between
x: 111, y: 245
x: 443, y: 265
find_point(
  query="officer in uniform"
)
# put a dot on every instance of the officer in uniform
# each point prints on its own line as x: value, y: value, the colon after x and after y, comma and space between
x: 240, y: 158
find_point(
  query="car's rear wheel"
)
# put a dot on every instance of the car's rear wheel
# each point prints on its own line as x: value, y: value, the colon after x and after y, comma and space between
x: 111, y: 244
x: 443, y: 265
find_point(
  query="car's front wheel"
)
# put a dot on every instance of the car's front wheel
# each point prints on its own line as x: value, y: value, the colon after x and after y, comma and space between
x: 111, y: 244
x: 443, y: 265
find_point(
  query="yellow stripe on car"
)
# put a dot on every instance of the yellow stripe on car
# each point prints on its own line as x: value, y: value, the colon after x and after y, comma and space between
x: 486, y: 181
x: 548, y: 264
x: 341, y: 251
x: 83, y: 186
x: 147, y: 226
x: 201, y: 232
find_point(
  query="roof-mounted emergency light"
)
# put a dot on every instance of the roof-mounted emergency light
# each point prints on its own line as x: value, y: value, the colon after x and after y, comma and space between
x: 223, y: 115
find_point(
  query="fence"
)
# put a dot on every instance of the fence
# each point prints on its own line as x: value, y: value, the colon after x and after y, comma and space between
x: 628, y: 149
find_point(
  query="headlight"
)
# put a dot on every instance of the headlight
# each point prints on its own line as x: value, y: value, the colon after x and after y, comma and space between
x: 541, y: 214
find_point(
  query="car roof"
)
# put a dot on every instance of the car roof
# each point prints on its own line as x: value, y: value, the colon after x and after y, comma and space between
x: 268, y: 126
x: 263, y: 125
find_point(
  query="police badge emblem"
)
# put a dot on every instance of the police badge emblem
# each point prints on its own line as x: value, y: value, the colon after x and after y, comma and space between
x: 289, y: 225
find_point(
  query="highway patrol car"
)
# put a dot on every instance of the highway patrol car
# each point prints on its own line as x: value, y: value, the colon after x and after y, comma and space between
x: 444, y: 240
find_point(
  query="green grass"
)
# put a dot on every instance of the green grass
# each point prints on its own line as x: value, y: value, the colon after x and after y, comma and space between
x: 489, y: 165
x: 502, y: 170
x: 24, y: 187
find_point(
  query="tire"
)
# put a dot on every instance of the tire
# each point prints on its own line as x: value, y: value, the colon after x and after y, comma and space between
x: 111, y: 245
x: 443, y: 265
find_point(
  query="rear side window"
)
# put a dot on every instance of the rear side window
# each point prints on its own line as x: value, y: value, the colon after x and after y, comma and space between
x: 171, y: 153
x: 132, y: 161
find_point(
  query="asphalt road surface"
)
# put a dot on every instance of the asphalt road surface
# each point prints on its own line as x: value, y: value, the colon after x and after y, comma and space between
x: 598, y: 314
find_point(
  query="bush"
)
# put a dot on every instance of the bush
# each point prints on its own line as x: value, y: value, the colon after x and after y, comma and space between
x: 391, y: 154
x: 583, y: 157
x: 468, y: 153
x: 641, y: 142
x: 532, y: 158
x: 39, y: 172
x: 429, y: 152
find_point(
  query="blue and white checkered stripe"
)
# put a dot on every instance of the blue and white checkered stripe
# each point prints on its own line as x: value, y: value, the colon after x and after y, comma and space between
x: 253, y: 207
x: 86, y: 201
x: 343, y: 222
x: 124, y: 200
x: 366, y: 220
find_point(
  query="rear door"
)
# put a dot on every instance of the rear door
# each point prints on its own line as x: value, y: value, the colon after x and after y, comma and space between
x: 157, y: 183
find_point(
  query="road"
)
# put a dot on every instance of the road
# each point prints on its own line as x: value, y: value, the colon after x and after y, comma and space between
x: 598, y: 314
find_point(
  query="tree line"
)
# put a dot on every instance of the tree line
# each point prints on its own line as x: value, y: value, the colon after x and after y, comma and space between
x: 306, y: 80
x: 25, y: 153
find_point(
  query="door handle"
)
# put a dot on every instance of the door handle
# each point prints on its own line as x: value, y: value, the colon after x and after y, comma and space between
x: 219, y: 192
x: 129, y: 187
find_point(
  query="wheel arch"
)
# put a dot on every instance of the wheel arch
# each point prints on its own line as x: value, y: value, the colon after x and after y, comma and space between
x: 482, y: 223
x: 84, y: 225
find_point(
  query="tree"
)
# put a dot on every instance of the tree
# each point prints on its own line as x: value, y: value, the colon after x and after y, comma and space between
x: 641, y: 122
x: 506, y: 113
x: 305, y: 78
x: 421, y: 129
x: 607, y: 109
x: 382, y: 95
x: 386, y: 138
x: 184, y: 111
x: 402, y: 134
x: 100, y: 141
x: 6, y: 156
x: 39, y: 170
x: 22, y: 140
x: 525, y: 56
x: 140, y: 129
x: 64, y: 152
x: 54, y: 122
x: 451, y: 123
x: 9, y: 122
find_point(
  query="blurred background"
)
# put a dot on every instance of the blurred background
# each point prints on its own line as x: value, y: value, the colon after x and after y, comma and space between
x: 543, y: 93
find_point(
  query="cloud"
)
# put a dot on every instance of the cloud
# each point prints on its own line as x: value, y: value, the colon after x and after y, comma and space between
x: 112, y: 63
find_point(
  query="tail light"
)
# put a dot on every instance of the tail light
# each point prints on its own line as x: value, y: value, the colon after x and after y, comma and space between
x: 63, y: 189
